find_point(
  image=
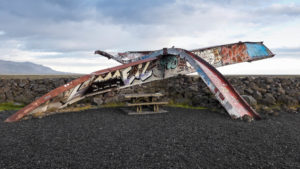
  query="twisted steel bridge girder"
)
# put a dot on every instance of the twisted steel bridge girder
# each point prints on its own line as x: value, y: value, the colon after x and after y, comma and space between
x: 149, y: 66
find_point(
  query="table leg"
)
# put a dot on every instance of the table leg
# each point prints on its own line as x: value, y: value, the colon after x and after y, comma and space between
x: 139, y: 108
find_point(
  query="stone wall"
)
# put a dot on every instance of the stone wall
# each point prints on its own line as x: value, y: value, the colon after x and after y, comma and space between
x: 27, y: 90
x: 262, y: 92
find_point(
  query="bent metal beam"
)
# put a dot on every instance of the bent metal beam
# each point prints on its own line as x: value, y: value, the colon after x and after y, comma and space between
x: 156, y: 65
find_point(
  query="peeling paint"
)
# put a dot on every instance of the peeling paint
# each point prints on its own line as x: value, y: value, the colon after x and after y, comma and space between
x: 157, y: 65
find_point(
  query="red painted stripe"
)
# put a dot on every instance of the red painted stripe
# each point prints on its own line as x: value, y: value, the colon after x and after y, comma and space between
x: 252, y: 112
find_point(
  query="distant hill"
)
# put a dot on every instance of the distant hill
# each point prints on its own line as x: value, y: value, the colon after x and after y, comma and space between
x: 22, y: 68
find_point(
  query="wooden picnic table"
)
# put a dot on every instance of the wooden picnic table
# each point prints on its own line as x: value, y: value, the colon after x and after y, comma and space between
x: 145, y: 99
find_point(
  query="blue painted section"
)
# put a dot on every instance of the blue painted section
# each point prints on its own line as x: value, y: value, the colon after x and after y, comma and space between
x: 203, y: 75
x: 256, y: 50
x: 145, y: 57
x: 154, y: 54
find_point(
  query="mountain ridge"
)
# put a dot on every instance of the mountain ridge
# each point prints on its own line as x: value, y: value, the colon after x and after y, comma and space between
x: 26, y: 68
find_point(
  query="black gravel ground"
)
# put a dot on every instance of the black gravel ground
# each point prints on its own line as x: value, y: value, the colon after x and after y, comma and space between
x: 182, y: 138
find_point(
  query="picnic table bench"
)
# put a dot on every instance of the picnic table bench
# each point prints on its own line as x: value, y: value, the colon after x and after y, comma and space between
x: 145, y: 99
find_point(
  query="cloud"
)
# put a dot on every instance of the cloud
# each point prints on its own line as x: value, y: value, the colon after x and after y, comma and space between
x: 69, y: 28
x: 283, y: 9
x: 76, y: 62
x: 14, y: 51
x: 45, y: 10
x: 2, y: 32
x: 288, y: 53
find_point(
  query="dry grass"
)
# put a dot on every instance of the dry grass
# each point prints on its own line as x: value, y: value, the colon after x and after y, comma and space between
x: 10, y: 106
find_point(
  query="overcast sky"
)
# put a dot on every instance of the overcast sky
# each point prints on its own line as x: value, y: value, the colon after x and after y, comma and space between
x: 63, y: 34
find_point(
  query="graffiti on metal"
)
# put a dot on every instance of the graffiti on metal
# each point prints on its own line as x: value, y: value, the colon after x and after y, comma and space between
x: 229, y: 54
x: 234, y: 54
x: 216, y: 56
x: 169, y: 62
x: 211, y: 56
x: 157, y: 65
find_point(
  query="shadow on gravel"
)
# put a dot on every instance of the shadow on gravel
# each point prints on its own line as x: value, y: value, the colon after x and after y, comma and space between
x: 182, y: 138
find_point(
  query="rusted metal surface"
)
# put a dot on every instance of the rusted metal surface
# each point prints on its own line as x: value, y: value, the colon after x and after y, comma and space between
x: 72, y: 92
x: 32, y: 106
x: 234, y: 53
x: 216, y: 55
x: 235, y: 105
x: 148, y: 66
